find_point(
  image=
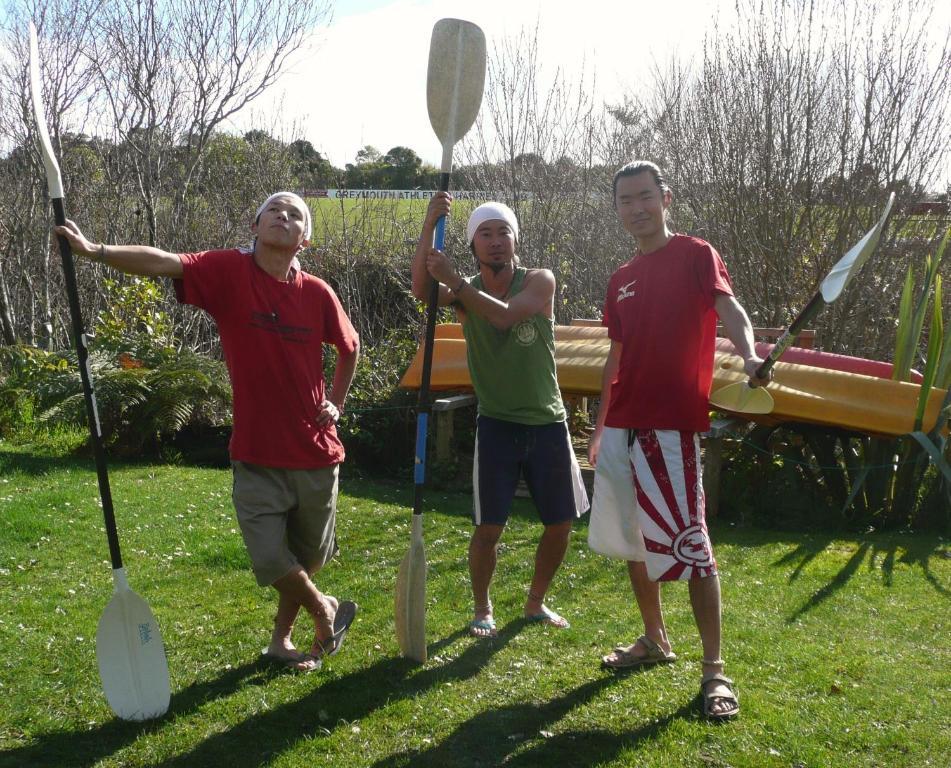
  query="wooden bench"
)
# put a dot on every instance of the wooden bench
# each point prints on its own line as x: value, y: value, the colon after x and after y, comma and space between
x: 444, y: 408
x: 713, y: 458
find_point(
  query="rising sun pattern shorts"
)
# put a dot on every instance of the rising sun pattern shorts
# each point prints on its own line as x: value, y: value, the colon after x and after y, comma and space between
x: 648, y: 503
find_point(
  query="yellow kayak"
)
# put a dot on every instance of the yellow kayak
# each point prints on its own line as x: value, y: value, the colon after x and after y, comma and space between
x: 801, y: 392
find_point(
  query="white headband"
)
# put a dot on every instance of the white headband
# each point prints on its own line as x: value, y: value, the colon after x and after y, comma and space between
x: 490, y: 212
x: 297, y: 199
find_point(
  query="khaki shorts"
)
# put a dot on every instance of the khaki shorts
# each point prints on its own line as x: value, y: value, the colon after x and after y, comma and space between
x: 287, y: 517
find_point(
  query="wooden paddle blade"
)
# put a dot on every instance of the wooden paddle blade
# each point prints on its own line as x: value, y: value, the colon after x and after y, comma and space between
x: 131, y: 657
x: 455, y: 80
x: 849, y: 265
x: 742, y: 398
x: 411, y: 597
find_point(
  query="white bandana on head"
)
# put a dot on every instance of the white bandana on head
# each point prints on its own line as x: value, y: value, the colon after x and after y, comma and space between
x: 297, y: 199
x: 491, y: 212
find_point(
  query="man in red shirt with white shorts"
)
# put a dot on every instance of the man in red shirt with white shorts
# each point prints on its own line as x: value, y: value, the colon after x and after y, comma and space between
x: 273, y: 320
x: 661, y: 313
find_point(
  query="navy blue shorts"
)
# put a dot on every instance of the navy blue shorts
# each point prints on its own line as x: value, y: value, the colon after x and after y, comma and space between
x: 504, y: 451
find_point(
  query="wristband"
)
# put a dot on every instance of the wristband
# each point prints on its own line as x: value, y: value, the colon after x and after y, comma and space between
x: 101, y: 255
x: 462, y: 284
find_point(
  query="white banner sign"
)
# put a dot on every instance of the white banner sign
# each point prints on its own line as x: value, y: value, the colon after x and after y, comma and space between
x: 397, y: 194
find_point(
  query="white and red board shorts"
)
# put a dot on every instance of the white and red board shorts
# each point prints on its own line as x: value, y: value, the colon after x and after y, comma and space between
x: 648, y: 503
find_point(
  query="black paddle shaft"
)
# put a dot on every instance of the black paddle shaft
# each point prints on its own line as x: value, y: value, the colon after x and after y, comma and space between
x: 425, y: 405
x: 89, y: 395
x: 816, y: 303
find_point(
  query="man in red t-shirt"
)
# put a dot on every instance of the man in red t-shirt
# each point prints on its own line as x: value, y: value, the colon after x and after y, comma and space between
x: 661, y: 313
x: 273, y: 320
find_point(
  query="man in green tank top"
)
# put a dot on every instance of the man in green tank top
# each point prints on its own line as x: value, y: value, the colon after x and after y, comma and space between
x: 507, y: 316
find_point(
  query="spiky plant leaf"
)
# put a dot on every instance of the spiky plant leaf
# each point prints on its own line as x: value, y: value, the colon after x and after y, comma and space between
x: 935, y: 339
x: 904, y: 349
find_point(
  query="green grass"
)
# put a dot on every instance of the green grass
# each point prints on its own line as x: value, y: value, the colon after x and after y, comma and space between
x: 840, y: 647
x: 376, y: 221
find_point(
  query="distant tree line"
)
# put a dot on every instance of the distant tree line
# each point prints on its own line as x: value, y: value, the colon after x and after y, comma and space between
x: 780, y: 141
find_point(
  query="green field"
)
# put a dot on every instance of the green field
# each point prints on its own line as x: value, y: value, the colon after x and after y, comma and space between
x: 378, y: 221
x: 839, y: 646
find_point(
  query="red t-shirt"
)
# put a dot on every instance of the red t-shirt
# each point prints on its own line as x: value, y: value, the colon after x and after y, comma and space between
x: 271, y: 335
x: 660, y: 306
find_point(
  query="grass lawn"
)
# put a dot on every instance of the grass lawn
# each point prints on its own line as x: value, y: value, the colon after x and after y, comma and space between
x: 840, y: 646
x: 375, y: 220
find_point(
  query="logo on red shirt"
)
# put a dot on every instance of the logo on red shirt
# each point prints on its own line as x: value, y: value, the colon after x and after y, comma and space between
x: 626, y: 291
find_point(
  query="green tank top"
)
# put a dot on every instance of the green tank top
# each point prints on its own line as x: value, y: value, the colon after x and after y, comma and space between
x: 513, y: 371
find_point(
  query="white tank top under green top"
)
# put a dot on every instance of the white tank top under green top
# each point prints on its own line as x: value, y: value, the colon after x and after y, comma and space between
x: 513, y: 371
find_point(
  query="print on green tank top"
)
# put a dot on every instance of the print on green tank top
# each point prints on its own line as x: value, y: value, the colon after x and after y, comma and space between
x: 513, y: 371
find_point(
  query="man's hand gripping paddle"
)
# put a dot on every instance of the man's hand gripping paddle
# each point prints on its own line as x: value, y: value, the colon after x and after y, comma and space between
x: 454, y: 85
x: 129, y: 645
x: 741, y: 397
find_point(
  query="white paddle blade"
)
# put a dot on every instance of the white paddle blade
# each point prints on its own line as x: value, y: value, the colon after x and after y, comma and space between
x: 850, y: 264
x: 131, y: 656
x: 411, y: 597
x: 455, y: 81
x: 53, y: 178
x: 742, y: 398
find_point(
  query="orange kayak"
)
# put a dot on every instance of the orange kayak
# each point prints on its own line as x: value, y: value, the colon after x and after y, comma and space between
x: 804, y: 393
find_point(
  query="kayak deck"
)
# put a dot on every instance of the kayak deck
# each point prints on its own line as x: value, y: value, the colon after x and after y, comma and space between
x: 874, y: 404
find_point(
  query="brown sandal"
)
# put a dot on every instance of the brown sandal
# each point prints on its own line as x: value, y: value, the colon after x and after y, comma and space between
x: 709, y: 700
x: 623, y: 658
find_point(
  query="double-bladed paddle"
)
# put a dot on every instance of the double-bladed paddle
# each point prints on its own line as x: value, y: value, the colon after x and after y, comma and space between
x: 454, y: 84
x: 741, y: 397
x: 129, y: 646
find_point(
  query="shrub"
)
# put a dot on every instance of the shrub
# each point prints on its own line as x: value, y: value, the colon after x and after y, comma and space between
x: 378, y: 428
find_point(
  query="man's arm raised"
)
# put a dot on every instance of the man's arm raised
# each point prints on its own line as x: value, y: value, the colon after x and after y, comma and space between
x: 438, y: 206
x: 132, y: 259
x: 535, y: 298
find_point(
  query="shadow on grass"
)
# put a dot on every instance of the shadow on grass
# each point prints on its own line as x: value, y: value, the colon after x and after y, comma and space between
x: 39, y: 464
x: 263, y: 737
x: 837, y: 583
x: 883, y: 552
x: 804, y: 553
x: 919, y: 551
x: 258, y: 738
x: 88, y: 747
x: 491, y: 737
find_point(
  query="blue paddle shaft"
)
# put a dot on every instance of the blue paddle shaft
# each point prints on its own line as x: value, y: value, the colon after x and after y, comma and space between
x: 422, y: 425
x: 425, y: 403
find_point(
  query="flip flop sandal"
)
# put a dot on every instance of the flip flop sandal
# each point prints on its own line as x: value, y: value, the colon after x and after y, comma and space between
x: 346, y: 612
x: 624, y: 659
x: 287, y: 662
x: 486, y: 625
x: 709, y: 700
x: 550, y: 619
